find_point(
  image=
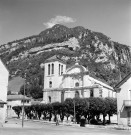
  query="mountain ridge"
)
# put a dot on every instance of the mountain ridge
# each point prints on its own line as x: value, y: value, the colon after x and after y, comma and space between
x: 105, y: 58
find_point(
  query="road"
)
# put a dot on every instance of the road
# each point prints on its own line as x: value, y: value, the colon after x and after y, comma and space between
x: 39, y: 128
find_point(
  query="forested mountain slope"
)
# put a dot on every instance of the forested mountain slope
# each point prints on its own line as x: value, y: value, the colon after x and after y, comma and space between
x: 105, y: 59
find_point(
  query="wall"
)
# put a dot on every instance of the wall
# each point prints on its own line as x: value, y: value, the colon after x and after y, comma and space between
x: 122, y: 95
x: 3, y: 90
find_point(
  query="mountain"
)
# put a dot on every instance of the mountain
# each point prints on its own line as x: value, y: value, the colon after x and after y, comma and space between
x: 105, y: 59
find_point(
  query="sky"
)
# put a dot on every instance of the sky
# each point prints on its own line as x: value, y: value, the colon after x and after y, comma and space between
x: 23, y: 18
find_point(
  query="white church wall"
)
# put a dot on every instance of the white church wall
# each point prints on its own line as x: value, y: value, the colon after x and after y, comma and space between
x: 96, y: 92
x: 74, y: 70
x: 86, y: 93
x: 55, y: 78
x: 86, y: 81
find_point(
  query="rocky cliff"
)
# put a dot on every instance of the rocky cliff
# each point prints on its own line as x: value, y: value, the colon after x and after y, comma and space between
x: 106, y: 59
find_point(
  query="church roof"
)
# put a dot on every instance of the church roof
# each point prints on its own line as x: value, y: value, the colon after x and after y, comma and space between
x: 123, y: 80
x: 2, y: 102
x: 54, y: 58
x: 101, y: 82
x: 17, y: 97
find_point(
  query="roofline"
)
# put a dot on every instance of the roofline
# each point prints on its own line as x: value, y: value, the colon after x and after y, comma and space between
x: 54, y: 58
x: 48, y: 61
x: 76, y: 66
x: 107, y: 86
x: 4, y: 65
x: 123, y: 80
x: 2, y: 102
x: 14, y: 99
x: 10, y: 97
x: 69, y: 89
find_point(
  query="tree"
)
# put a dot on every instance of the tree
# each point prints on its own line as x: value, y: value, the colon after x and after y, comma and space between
x: 17, y: 110
x: 56, y: 108
x: 36, y: 91
x: 27, y: 90
x: 112, y: 102
x: 98, y: 106
x: 81, y: 108
x: 69, y: 107
x: 28, y: 111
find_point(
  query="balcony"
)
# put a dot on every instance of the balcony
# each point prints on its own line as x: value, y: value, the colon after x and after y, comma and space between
x: 127, y: 103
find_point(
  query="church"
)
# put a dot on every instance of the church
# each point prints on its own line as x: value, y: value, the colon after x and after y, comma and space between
x: 61, y: 82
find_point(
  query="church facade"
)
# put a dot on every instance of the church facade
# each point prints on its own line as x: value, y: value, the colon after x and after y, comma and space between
x: 61, y: 83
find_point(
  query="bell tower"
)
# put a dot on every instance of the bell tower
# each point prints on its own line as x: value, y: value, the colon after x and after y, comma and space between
x: 53, y: 74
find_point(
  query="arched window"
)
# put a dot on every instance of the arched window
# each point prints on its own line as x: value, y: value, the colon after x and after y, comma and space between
x: 49, y: 97
x: 50, y: 84
x: 59, y: 69
x: 77, y: 95
x: 76, y: 84
x: 48, y: 69
x: 52, y: 68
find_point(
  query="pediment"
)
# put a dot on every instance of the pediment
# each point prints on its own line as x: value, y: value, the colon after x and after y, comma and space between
x: 76, y: 69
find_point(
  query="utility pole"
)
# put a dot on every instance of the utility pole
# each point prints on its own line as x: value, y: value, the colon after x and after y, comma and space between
x: 23, y: 107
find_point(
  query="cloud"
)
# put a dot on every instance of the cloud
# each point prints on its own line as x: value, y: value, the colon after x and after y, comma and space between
x: 59, y: 20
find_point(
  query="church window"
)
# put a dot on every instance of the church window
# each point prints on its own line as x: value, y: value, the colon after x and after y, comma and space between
x: 100, y: 93
x: 61, y: 69
x: 48, y: 69
x: 77, y: 94
x: 1, y: 105
x: 52, y: 68
x: 50, y: 84
x: 76, y: 84
x: 91, y: 93
x: 49, y: 99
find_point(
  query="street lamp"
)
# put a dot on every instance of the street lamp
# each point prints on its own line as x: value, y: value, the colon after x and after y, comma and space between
x: 23, y: 107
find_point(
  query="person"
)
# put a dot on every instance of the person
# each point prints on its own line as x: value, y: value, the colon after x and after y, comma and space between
x: 57, y: 119
x: 82, y: 123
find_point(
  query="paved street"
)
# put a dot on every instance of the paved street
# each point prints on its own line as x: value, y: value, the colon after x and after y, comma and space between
x: 13, y: 127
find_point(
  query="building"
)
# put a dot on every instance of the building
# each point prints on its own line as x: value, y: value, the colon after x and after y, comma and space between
x: 61, y: 83
x: 16, y: 100
x: 4, y: 74
x: 123, y: 89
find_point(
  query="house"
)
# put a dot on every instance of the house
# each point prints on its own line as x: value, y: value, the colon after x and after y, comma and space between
x: 123, y: 89
x: 61, y: 82
x: 4, y: 74
x: 16, y: 100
